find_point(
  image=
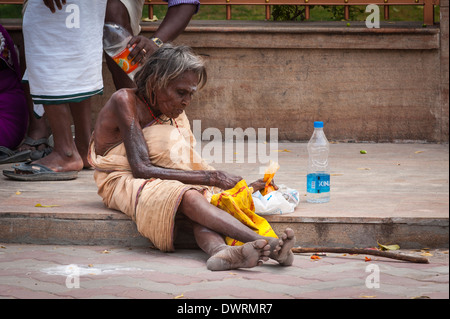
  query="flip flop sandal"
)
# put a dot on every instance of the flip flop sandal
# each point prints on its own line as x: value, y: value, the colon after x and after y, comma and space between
x: 34, y: 143
x: 37, y: 172
x: 38, y: 154
x: 8, y: 156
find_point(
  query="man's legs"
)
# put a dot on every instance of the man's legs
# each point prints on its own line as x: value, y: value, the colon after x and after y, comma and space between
x: 65, y: 156
x: 37, y: 128
x: 219, y: 223
x: 81, y: 114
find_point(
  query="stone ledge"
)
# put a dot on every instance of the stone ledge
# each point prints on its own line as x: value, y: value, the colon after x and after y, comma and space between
x: 319, y: 35
x: 384, y: 85
x: 54, y: 228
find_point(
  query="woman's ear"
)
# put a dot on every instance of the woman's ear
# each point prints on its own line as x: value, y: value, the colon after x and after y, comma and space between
x: 153, y: 99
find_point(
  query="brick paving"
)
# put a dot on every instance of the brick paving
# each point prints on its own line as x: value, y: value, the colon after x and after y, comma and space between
x: 48, y: 271
x: 397, y: 193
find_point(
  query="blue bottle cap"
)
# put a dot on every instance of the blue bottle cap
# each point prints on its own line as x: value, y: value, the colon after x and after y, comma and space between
x: 318, y: 124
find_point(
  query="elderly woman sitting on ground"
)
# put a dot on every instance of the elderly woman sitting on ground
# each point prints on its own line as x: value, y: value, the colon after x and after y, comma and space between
x: 146, y: 166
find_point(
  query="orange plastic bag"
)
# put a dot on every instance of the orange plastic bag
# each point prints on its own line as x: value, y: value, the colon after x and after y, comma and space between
x: 238, y: 202
x: 268, y: 176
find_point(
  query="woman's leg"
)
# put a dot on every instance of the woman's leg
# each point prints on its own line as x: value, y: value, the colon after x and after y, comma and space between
x: 224, y: 257
x: 200, y: 211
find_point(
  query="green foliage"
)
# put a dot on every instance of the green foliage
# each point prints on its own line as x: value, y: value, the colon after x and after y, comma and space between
x: 10, y: 11
x: 297, y: 13
x: 288, y: 13
x: 337, y: 12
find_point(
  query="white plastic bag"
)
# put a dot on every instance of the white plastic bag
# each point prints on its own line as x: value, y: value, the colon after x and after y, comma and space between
x: 282, y: 201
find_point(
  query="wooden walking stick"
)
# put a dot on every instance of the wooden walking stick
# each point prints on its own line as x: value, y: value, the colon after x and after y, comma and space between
x: 341, y: 250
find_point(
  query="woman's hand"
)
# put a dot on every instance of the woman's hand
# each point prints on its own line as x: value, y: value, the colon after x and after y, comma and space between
x: 260, y: 184
x: 223, y: 179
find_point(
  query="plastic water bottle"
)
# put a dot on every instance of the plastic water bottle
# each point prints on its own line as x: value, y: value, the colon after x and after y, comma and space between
x: 115, y: 41
x: 318, y: 178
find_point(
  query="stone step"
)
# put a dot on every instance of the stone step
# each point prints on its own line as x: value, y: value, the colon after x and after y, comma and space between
x: 394, y: 194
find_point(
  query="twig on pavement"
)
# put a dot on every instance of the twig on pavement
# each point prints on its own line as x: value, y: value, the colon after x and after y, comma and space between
x: 339, y: 250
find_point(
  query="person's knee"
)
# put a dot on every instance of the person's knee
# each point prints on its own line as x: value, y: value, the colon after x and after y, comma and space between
x: 192, y: 199
x: 191, y: 196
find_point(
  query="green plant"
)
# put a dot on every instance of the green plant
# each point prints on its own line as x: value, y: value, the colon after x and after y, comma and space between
x: 338, y: 12
x: 297, y: 13
x: 288, y: 13
x: 10, y: 11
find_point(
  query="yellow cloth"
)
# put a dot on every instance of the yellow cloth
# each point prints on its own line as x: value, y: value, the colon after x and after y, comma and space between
x: 238, y: 202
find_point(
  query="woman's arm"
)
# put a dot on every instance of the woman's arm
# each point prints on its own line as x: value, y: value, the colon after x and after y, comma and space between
x: 138, y: 157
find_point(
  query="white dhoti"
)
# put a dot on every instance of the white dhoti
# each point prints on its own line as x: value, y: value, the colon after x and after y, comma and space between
x: 64, y: 50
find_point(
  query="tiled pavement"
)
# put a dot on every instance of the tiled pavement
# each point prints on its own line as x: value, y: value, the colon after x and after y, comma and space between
x: 396, y: 192
x: 47, y: 271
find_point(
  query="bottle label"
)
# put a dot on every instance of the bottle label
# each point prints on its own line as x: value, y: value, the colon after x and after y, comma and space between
x: 122, y: 61
x: 318, y: 183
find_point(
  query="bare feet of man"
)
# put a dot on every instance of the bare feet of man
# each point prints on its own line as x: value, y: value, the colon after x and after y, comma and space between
x: 246, y: 256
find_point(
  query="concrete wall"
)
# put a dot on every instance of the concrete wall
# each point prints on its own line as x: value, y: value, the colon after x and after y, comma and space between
x: 387, y: 84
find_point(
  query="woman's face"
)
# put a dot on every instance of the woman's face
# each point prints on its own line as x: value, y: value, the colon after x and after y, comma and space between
x: 172, y: 100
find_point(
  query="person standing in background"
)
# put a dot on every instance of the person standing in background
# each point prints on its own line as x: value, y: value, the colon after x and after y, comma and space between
x: 63, y: 49
x: 13, y: 104
x: 128, y: 14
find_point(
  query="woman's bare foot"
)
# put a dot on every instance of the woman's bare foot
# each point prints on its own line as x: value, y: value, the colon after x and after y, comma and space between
x: 284, y: 255
x: 246, y: 256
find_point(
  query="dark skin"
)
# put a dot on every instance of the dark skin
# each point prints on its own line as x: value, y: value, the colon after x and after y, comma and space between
x: 174, y: 23
x: 122, y: 120
x: 117, y: 123
x: 54, y: 4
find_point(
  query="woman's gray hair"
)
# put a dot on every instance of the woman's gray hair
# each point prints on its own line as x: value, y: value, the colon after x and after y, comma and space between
x: 165, y: 65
